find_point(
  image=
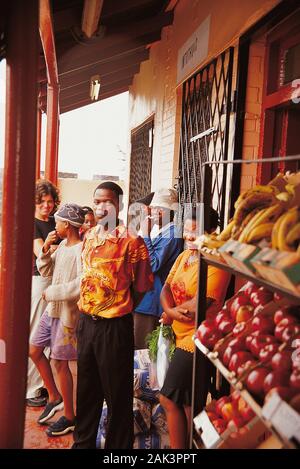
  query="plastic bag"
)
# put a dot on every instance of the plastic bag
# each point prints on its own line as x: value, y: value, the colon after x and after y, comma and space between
x: 161, y: 343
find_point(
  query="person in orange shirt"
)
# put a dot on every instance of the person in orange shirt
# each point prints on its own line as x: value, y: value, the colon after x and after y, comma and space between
x: 116, y: 275
x: 178, y: 299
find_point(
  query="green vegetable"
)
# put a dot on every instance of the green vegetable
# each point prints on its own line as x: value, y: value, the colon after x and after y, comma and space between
x: 152, y: 340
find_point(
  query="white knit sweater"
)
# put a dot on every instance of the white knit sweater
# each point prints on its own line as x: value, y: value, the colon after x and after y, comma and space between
x: 64, y: 266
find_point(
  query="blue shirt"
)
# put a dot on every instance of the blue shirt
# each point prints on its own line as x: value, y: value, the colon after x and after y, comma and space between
x: 163, y: 251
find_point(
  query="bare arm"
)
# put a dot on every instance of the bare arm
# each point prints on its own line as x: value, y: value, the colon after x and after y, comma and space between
x: 37, y: 246
x: 180, y: 313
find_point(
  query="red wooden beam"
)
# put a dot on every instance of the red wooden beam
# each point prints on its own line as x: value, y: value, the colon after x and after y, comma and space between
x: 47, y: 38
x: 51, y: 163
x: 38, y: 143
x: 17, y: 212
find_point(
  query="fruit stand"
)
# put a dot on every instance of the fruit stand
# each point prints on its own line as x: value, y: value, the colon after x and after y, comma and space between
x: 254, y: 341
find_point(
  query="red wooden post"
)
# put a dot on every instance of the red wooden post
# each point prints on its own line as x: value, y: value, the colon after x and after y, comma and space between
x: 18, y: 212
x: 47, y: 37
x: 38, y: 143
x: 51, y: 165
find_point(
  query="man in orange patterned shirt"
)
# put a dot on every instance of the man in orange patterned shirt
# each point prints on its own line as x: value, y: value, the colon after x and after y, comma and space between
x: 116, y: 275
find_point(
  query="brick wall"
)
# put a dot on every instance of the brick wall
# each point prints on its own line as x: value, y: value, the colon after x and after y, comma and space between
x: 253, y: 112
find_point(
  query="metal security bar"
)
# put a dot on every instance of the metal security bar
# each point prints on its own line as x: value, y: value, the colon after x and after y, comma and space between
x: 141, y: 161
x: 205, y: 130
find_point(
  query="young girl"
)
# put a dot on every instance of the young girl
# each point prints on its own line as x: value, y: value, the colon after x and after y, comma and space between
x: 178, y: 299
x: 89, y: 221
x: 57, y: 328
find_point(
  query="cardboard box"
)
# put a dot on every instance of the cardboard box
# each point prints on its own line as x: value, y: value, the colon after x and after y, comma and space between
x: 238, y: 255
x: 242, y: 258
x: 207, y: 432
x: 280, y: 268
x: 227, y: 251
x: 247, y: 437
x: 283, y: 417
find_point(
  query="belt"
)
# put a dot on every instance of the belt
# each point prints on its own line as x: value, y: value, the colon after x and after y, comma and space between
x: 96, y: 318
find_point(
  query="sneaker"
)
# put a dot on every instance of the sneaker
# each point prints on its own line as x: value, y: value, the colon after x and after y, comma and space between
x: 61, y: 427
x: 43, y: 392
x: 36, y: 401
x: 50, y: 410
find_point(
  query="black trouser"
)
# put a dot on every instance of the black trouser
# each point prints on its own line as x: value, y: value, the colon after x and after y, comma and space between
x: 105, y: 371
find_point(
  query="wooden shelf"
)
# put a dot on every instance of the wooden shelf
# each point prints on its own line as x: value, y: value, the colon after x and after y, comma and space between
x: 259, y: 281
x: 238, y: 385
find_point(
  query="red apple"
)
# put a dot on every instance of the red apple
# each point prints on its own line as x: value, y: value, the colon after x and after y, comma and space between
x: 208, y: 334
x: 255, y: 380
x: 239, y: 328
x: 237, y: 420
x: 250, y: 288
x: 226, y: 326
x: 282, y: 361
x: 244, y: 313
x: 220, y: 403
x: 278, y: 296
x: 245, y: 411
x: 212, y: 415
x: 295, y: 402
x: 228, y: 411
x: 266, y: 353
x: 295, y: 380
x: 289, y: 332
x: 249, y: 339
x: 259, y: 342
x: 283, y: 314
x: 263, y: 324
x: 245, y: 366
x: 284, y: 392
x: 296, y: 359
x: 240, y: 300
x: 238, y: 359
x: 235, y: 397
x: 221, y: 316
x: 220, y: 425
x: 261, y: 297
x: 278, y: 331
x: 295, y: 342
x: 237, y: 343
x: 276, y: 378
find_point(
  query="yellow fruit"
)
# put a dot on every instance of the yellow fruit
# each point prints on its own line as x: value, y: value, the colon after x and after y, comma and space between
x: 255, y: 200
x: 266, y: 215
x: 269, y: 189
x: 226, y: 233
x: 274, y: 236
x: 284, y: 197
x: 294, y: 235
x: 262, y: 231
x: 289, y: 219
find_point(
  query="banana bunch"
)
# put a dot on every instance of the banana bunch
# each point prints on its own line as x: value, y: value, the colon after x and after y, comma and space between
x: 261, y: 224
x: 268, y: 213
x: 286, y: 231
x: 256, y: 199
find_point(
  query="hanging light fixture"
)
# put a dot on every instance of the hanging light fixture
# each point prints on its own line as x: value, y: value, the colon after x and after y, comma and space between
x: 94, y: 87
